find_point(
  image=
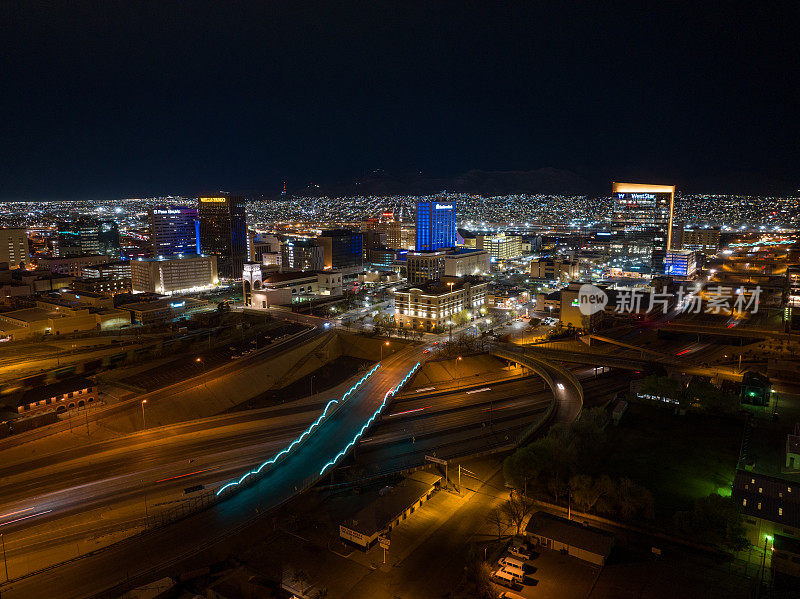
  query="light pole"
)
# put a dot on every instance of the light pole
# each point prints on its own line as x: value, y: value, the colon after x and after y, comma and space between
x: 205, y: 378
x: 382, y: 344
x: 144, y: 422
x: 5, y: 561
x: 458, y: 373
x: 763, y: 562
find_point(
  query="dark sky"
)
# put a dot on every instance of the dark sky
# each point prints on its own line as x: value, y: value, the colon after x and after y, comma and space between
x: 136, y: 98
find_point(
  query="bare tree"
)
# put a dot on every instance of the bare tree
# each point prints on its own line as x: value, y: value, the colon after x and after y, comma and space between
x: 516, y: 509
x: 497, y: 518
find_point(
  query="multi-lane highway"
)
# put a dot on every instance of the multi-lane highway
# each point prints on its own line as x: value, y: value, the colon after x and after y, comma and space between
x: 156, y: 548
x: 113, y: 486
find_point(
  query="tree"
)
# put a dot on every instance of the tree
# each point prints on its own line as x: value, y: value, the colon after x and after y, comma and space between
x: 591, y: 494
x: 634, y: 500
x: 516, y: 509
x: 498, y: 519
x: 461, y: 318
x: 715, y: 520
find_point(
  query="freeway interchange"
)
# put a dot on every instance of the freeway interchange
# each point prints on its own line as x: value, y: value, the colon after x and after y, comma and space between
x: 59, y: 507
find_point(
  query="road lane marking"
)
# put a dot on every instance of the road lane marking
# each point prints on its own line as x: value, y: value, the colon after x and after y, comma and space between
x: 26, y: 517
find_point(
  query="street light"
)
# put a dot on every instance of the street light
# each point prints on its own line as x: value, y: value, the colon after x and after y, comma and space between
x: 458, y: 372
x: 382, y: 344
x: 205, y: 378
x: 763, y: 562
x: 144, y: 422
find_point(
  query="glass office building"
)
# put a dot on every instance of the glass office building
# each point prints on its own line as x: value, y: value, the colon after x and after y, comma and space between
x: 436, y: 226
x: 174, y: 230
x: 223, y: 232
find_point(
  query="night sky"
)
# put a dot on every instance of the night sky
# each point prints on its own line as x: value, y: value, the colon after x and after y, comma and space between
x: 137, y: 99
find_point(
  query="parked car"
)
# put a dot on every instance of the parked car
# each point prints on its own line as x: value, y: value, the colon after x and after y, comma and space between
x: 519, y: 551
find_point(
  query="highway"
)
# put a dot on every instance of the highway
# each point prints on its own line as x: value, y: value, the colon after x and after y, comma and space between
x: 155, y: 548
x: 111, y: 487
x: 132, y: 408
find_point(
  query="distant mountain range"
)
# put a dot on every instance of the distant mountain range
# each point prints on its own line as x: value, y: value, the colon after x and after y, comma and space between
x: 381, y: 183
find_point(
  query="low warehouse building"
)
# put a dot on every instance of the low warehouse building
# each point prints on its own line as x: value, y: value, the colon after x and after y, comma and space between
x: 389, y: 510
x: 584, y: 542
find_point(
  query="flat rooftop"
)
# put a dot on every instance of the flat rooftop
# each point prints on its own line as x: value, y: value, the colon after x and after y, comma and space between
x: 570, y: 532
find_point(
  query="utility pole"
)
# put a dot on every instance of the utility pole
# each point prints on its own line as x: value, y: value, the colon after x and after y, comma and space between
x: 144, y: 422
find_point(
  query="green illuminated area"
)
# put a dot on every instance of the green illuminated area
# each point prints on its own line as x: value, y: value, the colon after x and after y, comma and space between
x: 678, y: 458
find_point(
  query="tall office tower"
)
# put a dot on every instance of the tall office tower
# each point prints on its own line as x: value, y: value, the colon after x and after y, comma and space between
x: 343, y: 248
x: 303, y: 255
x: 387, y: 228
x: 76, y: 237
x: 223, y: 232
x: 14, y: 247
x: 644, y: 207
x: 174, y: 230
x: 108, y: 239
x: 436, y: 226
x: 638, y: 206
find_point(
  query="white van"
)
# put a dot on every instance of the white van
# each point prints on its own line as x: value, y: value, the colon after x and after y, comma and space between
x: 518, y: 574
x: 514, y: 562
x: 504, y: 578
x: 519, y: 551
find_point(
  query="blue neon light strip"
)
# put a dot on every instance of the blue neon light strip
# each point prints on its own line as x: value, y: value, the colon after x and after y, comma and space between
x: 305, y: 432
x: 357, y: 436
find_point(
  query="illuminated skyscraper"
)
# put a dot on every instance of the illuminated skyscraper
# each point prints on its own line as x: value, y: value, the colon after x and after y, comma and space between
x: 647, y: 209
x: 174, y: 230
x: 223, y: 232
x: 638, y: 206
x: 436, y: 226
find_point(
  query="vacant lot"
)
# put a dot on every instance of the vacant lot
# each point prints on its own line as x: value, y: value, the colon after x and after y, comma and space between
x: 679, y: 458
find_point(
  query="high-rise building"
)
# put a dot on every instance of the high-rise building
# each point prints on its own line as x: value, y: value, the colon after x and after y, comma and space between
x: 436, y: 226
x: 387, y: 230
x: 343, y: 248
x: 701, y: 239
x: 80, y: 236
x: 501, y: 246
x: 174, y: 230
x: 14, y: 247
x: 302, y: 254
x: 640, y: 206
x: 422, y: 267
x: 223, y: 232
x: 645, y: 207
x: 108, y: 239
x: 174, y: 275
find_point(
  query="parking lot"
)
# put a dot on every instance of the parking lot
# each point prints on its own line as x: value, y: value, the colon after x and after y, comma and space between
x: 552, y: 575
